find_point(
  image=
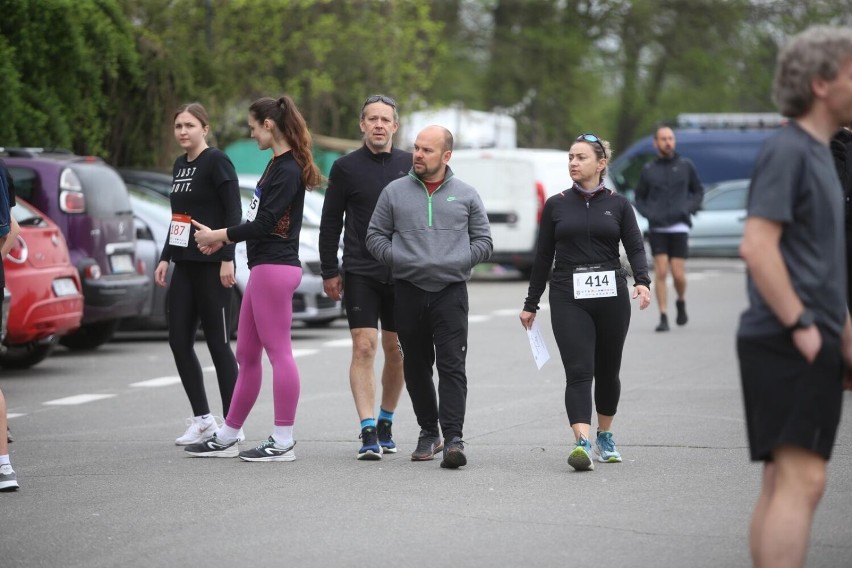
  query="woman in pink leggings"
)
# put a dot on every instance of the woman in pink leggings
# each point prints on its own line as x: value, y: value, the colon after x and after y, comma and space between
x: 274, y: 220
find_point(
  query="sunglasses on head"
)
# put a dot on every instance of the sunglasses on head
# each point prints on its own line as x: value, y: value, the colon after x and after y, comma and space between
x: 594, y: 140
x: 379, y: 99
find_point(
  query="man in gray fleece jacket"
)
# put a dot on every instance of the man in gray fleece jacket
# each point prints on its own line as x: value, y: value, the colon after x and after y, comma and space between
x: 431, y: 230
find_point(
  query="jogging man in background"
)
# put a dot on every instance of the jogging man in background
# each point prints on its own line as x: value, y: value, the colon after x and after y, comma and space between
x: 668, y: 194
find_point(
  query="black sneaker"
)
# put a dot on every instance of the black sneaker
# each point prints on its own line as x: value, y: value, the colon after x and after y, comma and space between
x: 428, y: 445
x: 213, y: 447
x: 454, y: 454
x: 386, y: 437
x: 269, y: 451
x: 370, y: 448
x: 664, y: 323
x: 681, y: 312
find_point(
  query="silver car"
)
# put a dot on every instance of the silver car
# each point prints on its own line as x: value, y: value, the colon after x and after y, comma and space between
x: 153, y: 216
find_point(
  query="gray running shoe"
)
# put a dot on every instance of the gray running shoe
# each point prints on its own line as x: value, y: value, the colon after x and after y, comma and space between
x: 454, y: 454
x: 269, y: 451
x: 213, y: 447
x: 428, y: 445
x: 8, y: 478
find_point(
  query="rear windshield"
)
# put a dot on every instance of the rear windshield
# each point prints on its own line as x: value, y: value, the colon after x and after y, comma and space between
x: 106, y: 194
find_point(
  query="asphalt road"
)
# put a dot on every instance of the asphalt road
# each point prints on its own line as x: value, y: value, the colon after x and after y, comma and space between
x: 103, y: 484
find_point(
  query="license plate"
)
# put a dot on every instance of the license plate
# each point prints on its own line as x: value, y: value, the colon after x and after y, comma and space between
x: 64, y: 287
x: 121, y: 263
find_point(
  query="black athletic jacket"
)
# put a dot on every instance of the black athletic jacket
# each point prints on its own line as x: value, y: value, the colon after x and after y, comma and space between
x: 354, y: 185
x: 669, y: 191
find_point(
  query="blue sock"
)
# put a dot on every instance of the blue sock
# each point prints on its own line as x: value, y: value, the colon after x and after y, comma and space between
x: 368, y: 423
x: 385, y: 415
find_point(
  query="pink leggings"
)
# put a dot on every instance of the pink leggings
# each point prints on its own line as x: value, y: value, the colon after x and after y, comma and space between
x: 266, y: 316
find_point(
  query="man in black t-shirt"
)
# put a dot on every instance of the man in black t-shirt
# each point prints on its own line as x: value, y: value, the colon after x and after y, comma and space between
x: 795, y: 336
x: 366, y: 285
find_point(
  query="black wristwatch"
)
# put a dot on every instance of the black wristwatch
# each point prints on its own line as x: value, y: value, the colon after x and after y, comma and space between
x: 806, y: 319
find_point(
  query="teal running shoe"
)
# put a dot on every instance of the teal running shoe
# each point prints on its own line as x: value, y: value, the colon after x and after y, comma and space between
x: 605, y: 448
x: 580, y: 457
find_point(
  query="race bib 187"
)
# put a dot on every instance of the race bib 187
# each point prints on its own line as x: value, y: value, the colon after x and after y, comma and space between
x: 179, y: 230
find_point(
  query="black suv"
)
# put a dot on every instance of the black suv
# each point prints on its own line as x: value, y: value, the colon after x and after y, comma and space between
x: 89, y: 201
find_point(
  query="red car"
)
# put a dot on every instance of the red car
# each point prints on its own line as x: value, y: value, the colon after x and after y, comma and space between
x: 45, y: 287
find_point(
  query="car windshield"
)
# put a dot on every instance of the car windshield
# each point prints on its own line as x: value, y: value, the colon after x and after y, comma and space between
x: 26, y: 215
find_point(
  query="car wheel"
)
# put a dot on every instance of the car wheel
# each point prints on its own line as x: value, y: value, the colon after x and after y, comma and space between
x: 90, y: 336
x: 27, y: 355
x: 236, y: 302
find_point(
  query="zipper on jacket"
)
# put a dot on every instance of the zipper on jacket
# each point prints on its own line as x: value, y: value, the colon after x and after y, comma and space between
x: 429, y: 197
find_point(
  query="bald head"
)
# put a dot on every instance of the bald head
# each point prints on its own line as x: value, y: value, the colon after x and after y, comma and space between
x: 664, y: 141
x: 432, y: 150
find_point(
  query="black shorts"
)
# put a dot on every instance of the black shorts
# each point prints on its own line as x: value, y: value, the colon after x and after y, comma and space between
x: 367, y: 301
x: 789, y: 402
x: 675, y: 245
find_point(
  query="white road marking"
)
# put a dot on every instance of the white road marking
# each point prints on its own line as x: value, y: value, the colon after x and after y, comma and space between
x: 77, y: 399
x: 158, y: 382
x: 301, y: 352
x: 339, y: 343
x: 15, y: 414
x: 478, y: 319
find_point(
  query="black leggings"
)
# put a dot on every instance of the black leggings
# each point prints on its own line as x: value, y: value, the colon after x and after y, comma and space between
x: 196, y: 295
x: 590, y: 334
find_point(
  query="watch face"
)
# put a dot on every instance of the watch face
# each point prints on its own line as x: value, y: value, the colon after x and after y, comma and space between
x: 807, y: 319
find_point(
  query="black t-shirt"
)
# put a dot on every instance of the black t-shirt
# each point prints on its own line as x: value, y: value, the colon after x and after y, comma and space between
x: 207, y: 190
x: 273, y: 236
x: 795, y: 183
x: 577, y: 232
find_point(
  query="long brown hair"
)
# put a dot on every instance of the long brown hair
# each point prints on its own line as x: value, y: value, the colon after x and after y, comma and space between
x: 286, y: 116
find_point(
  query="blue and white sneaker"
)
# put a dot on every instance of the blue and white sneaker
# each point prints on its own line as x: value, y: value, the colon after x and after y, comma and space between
x: 213, y: 447
x: 370, y: 448
x: 386, y: 437
x: 580, y: 457
x: 605, y: 448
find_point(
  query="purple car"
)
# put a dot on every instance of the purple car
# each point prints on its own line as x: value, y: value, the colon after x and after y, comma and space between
x: 89, y: 202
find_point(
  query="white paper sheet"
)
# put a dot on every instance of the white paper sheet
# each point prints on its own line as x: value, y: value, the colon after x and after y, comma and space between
x: 539, y: 349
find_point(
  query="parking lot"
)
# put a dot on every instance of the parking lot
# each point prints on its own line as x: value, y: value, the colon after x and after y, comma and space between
x: 103, y: 484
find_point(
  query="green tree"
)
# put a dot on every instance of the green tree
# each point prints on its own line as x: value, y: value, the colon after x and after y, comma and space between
x: 72, y: 61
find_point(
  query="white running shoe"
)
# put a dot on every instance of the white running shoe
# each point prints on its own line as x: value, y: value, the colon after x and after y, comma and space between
x: 198, y: 430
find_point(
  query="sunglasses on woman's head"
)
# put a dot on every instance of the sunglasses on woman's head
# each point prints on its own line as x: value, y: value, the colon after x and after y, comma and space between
x: 594, y: 140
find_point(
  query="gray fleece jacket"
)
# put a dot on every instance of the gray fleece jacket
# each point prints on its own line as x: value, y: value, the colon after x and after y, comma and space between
x: 429, y: 241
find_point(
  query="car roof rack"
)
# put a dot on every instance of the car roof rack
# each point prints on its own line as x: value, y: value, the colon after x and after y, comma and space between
x: 732, y: 120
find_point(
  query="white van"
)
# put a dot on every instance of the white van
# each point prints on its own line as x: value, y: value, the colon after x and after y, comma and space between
x: 514, y: 184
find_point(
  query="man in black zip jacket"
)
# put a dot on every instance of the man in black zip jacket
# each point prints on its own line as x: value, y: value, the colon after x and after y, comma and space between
x: 365, y: 284
x: 668, y: 194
